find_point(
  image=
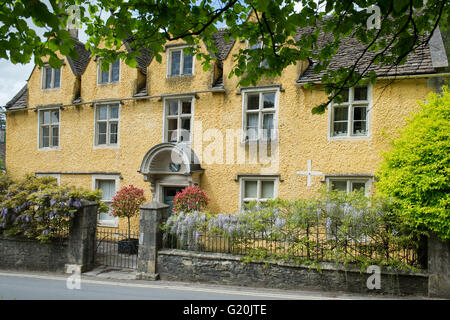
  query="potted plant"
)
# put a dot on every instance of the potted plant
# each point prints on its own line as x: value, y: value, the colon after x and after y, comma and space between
x: 126, y: 204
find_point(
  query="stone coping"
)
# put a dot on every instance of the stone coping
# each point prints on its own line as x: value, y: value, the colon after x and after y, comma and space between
x: 323, y: 265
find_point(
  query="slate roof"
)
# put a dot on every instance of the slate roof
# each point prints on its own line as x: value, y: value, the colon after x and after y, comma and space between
x: 418, y: 62
x: 144, y: 59
x: 222, y: 45
x: 19, y: 101
x: 78, y: 66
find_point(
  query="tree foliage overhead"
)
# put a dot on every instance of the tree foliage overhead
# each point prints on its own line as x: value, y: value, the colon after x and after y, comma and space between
x: 405, y: 24
x: 416, y: 172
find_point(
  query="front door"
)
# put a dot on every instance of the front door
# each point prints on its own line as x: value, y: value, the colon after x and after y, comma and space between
x: 169, y: 195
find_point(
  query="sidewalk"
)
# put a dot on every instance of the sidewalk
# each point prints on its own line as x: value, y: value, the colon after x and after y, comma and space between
x: 114, y: 273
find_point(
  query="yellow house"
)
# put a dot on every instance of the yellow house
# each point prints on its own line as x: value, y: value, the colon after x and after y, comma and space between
x: 164, y: 126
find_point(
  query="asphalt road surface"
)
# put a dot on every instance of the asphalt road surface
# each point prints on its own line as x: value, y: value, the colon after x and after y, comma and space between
x: 43, y: 286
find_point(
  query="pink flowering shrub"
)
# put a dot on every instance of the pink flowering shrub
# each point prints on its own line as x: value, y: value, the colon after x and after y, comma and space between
x: 190, y: 199
x: 127, y: 202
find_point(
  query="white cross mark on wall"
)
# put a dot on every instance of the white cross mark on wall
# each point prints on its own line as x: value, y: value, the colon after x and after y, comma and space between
x: 309, y: 173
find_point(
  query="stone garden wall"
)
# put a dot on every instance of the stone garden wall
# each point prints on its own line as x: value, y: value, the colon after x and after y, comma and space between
x: 19, y: 253
x: 180, y: 265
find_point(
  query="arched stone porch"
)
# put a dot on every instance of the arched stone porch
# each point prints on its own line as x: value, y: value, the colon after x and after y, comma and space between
x: 170, y: 165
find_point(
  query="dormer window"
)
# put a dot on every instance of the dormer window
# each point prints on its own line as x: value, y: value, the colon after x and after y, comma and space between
x: 111, y: 75
x: 180, y: 63
x: 51, y: 78
x: 256, y: 46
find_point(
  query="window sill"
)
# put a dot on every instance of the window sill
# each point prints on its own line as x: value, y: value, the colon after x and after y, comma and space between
x: 179, y: 76
x: 107, y: 224
x: 50, y: 89
x: 115, y: 146
x: 349, y: 137
x: 259, y: 141
x: 108, y: 83
x: 49, y: 149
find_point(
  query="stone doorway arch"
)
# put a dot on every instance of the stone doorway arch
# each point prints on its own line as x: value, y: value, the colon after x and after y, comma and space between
x: 170, y: 165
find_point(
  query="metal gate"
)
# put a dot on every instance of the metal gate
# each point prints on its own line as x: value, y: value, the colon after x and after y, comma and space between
x: 117, y: 249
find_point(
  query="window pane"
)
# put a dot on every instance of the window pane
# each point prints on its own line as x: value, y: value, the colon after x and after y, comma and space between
x: 269, y: 100
x: 360, y: 94
x: 250, y: 189
x: 339, y: 185
x: 359, y: 123
x: 48, y: 77
x: 175, y: 63
x: 102, y: 112
x: 267, y: 189
x: 340, y: 124
x: 186, y: 107
x: 359, y: 128
x: 115, y: 71
x: 57, y: 81
x: 172, y: 135
x: 106, y: 216
x: 187, y: 64
x: 344, y: 94
x: 55, y: 136
x: 45, y: 137
x: 108, y: 189
x: 186, y: 124
x: 102, y: 133
x: 55, y: 116
x: 113, y: 132
x: 114, y: 112
x: 45, y: 117
x: 185, y: 129
x: 340, y: 113
x: 104, y: 76
x: 252, y: 126
x: 358, y: 186
x: 173, y: 124
x: 173, y: 108
x: 359, y: 113
x: 268, y: 126
x: 252, y: 101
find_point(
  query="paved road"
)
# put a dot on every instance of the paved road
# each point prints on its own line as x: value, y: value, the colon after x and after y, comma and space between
x: 26, y: 286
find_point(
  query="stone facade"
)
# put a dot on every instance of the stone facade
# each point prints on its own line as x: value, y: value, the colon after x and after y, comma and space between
x: 178, y: 265
x: 18, y: 253
x: 302, y: 136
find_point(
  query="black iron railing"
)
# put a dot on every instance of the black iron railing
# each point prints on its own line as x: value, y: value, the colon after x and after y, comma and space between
x: 116, y: 248
x: 314, y: 243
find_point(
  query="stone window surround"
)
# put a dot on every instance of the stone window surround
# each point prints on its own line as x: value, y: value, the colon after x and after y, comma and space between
x: 107, y: 145
x: 169, y: 50
x: 165, y: 126
x: 368, y: 179
x: 116, y: 179
x: 266, y: 89
x: 349, y: 135
x: 99, y: 72
x: 43, y: 78
x: 57, y: 176
x: 259, y: 179
x: 39, y: 111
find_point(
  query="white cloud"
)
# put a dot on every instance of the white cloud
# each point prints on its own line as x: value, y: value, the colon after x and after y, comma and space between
x: 12, y: 79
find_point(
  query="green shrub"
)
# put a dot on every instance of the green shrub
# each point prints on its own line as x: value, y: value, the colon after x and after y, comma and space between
x: 38, y: 208
x: 416, y: 172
